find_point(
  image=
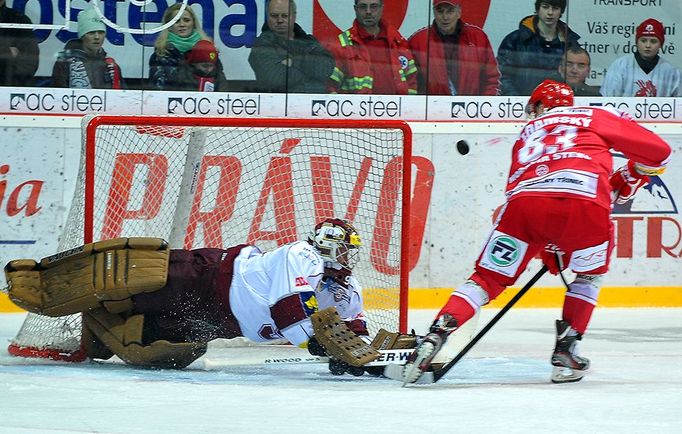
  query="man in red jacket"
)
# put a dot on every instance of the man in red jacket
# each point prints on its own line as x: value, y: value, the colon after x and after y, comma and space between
x: 372, y: 56
x: 454, y: 57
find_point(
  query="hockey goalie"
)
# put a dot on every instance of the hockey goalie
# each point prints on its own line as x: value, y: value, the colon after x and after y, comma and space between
x: 159, y: 307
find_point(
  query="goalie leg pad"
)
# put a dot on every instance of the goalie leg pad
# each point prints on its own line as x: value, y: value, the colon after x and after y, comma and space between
x: 339, y: 341
x: 124, y: 337
x: 74, y: 281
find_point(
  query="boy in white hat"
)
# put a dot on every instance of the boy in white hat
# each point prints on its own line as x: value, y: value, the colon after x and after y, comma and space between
x: 645, y: 73
x: 84, y: 64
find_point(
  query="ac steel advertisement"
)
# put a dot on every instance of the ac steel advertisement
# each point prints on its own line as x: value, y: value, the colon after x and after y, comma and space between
x: 606, y: 27
x: 455, y: 194
x: 50, y: 101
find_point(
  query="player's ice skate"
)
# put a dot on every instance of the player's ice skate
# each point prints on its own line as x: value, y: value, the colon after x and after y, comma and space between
x: 421, y: 359
x: 568, y: 366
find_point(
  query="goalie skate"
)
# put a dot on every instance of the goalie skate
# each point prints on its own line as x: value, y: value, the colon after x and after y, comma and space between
x: 568, y: 366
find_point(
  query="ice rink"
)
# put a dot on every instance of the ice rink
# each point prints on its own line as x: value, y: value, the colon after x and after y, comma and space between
x: 501, y: 386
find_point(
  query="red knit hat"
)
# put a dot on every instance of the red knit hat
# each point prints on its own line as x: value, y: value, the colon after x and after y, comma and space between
x: 651, y: 27
x: 202, y: 52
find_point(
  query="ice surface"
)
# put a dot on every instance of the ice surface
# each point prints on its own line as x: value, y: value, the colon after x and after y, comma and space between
x: 501, y: 386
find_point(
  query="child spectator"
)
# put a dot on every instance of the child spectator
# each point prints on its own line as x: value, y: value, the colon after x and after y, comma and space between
x: 170, y: 48
x: 532, y: 53
x: 201, y: 70
x: 83, y: 64
x: 19, y: 53
x: 645, y: 73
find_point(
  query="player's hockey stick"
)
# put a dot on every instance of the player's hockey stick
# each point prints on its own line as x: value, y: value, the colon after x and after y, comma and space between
x: 433, y: 376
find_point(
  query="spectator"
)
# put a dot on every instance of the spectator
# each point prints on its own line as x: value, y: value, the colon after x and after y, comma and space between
x: 372, y: 56
x: 286, y: 58
x: 201, y: 70
x: 645, y: 73
x: 171, y: 45
x: 84, y: 64
x: 533, y: 52
x: 19, y: 51
x: 574, y: 70
x: 454, y: 57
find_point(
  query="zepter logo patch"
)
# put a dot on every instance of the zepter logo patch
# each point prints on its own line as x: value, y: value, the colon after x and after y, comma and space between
x: 503, y: 254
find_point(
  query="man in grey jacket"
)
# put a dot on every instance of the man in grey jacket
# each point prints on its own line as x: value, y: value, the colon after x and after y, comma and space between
x: 287, y: 59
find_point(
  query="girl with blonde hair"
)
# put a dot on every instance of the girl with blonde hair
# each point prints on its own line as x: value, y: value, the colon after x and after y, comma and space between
x: 171, y: 47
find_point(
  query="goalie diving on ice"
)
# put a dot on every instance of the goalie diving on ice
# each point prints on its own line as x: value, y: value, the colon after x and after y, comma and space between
x: 159, y: 307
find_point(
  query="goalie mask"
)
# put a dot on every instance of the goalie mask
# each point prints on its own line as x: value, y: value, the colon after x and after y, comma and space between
x: 338, y: 243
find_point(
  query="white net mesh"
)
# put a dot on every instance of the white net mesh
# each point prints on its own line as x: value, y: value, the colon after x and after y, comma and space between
x: 201, y: 185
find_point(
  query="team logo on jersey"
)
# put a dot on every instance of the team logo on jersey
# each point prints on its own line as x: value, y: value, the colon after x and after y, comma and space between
x: 542, y: 170
x: 503, y: 254
x: 309, y: 302
x: 403, y: 62
x: 300, y: 281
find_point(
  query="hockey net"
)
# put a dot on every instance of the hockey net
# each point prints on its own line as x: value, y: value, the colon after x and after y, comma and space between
x: 217, y: 182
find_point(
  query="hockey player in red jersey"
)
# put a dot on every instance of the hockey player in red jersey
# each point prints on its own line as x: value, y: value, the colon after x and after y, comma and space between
x: 560, y: 191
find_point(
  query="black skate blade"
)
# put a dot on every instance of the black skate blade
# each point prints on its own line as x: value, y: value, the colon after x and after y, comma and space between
x: 395, y: 372
x: 562, y: 375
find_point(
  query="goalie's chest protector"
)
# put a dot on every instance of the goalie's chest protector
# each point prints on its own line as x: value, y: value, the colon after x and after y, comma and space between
x: 273, y: 294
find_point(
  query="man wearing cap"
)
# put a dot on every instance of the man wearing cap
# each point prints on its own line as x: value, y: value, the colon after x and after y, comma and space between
x: 645, y: 73
x: 454, y: 57
x: 372, y: 56
x: 83, y: 64
x: 201, y: 70
x: 285, y: 58
x: 19, y: 52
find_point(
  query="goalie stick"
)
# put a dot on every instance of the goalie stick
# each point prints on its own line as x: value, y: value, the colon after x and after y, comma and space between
x: 395, y: 371
x: 278, y: 355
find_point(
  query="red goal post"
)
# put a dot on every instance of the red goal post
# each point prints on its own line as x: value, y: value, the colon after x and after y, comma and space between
x: 217, y: 182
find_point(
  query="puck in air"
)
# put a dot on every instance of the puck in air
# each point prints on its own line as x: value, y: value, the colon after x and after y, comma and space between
x: 462, y: 147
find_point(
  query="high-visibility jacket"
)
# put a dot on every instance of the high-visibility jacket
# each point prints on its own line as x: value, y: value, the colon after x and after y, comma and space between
x: 353, y: 71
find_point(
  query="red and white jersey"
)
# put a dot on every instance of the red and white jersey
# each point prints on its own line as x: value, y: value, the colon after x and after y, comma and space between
x: 273, y: 294
x: 566, y: 153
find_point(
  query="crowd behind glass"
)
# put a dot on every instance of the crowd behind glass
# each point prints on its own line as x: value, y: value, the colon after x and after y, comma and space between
x: 448, y: 57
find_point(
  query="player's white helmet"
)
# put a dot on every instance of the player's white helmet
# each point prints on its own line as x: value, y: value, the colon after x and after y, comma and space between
x: 338, y: 243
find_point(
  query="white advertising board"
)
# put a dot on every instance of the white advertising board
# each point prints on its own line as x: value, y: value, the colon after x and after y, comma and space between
x: 455, y: 195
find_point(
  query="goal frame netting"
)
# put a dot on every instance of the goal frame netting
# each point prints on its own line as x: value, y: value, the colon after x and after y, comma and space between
x: 87, y: 172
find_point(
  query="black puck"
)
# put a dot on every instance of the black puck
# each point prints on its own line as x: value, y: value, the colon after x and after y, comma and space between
x: 463, y: 147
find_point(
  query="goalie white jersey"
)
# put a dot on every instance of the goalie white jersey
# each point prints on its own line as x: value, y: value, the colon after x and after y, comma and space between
x: 273, y: 294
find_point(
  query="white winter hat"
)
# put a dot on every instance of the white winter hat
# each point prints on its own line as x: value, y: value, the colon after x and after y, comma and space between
x: 89, y: 21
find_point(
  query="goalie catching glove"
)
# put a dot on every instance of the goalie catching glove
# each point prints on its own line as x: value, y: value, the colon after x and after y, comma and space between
x: 348, y: 352
x: 626, y: 181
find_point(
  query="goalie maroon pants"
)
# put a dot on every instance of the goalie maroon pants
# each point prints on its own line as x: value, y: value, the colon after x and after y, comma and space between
x: 195, y: 303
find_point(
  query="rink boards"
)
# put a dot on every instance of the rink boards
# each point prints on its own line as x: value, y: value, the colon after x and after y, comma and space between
x: 458, y: 194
